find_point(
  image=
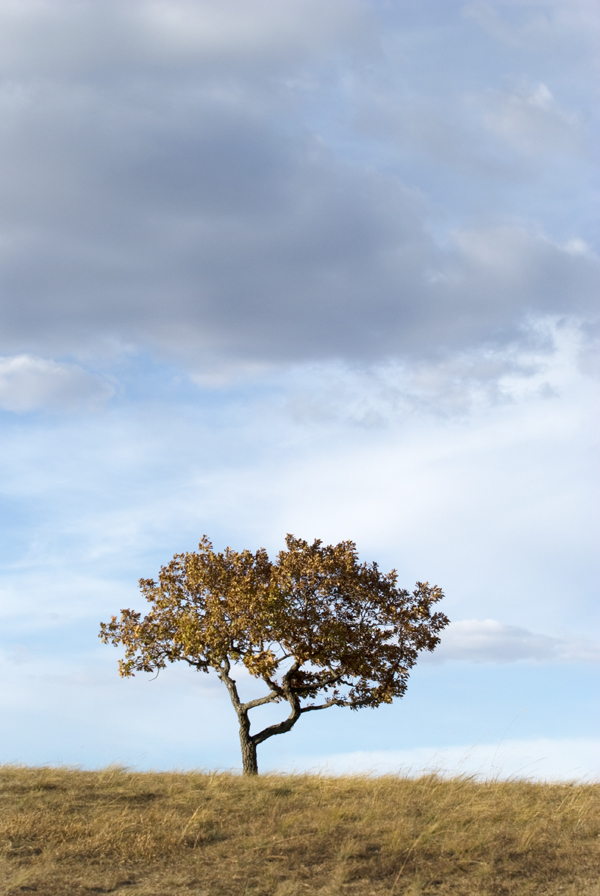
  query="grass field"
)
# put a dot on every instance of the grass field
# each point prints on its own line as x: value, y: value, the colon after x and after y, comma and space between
x: 68, y: 832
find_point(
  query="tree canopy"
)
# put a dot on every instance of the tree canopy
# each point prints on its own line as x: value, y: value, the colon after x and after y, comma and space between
x: 317, y: 626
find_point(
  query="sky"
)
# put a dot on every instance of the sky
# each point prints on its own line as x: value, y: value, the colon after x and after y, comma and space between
x: 327, y: 267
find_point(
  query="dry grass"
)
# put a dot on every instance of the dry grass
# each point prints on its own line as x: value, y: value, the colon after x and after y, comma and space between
x: 72, y: 832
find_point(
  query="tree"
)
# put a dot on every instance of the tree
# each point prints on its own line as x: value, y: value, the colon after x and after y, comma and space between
x: 318, y: 627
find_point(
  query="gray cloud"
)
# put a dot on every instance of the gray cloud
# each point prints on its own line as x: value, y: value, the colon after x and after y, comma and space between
x: 74, y: 37
x: 489, y: 641
x: 166, y: 187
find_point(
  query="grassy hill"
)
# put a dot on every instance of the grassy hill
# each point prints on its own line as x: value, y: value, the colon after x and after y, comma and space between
x: 66, y: 832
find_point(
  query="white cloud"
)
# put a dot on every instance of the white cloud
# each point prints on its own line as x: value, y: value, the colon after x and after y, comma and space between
x: 531, y: 121
x: 497, y: 504
x: 490, y: 641
x: 544, y: 363
x: 29, y: 384
x: 545, y: 759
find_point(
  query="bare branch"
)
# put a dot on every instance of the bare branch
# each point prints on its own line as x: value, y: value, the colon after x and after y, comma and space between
x: 273, y: 697
x: 223, y: 671
x: 329, y: 703
x: 280, y: 728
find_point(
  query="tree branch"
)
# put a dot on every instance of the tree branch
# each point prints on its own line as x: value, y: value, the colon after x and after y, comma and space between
x: 280, y: 728
x: 223, y: 670
x: 261, y: 701
x: 320, y: 683
x: 293, y: 700
x: 312, y: 708
x: 285, y: 681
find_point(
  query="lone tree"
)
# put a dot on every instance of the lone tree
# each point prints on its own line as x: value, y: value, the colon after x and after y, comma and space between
x: 318, y: 627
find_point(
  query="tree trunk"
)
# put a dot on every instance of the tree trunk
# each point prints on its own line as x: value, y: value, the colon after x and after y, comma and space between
x: 249, y: 760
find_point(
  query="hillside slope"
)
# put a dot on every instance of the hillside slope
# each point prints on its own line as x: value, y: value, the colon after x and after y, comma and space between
x: 66, y: 832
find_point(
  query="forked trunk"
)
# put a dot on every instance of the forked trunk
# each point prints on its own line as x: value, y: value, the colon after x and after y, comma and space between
x: 247, y: 742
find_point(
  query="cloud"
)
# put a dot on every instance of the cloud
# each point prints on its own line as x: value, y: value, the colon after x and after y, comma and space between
x: 497, y: 506
x: 65, y: 38
x: 531, y: 121
x: 167, y: 200
x: 377, y: 395
x: 31, y: 384
x: 291, y: 232
x: 490, y: 641
x: 542, y: 759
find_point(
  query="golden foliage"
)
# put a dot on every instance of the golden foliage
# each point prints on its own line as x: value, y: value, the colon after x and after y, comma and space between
x: 316, y: 623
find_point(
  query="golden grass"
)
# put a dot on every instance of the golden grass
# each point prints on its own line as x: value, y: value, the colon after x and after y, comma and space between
x: 68, y: 832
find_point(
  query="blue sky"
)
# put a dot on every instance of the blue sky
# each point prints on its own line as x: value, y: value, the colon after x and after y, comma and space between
x: 328, y: 268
